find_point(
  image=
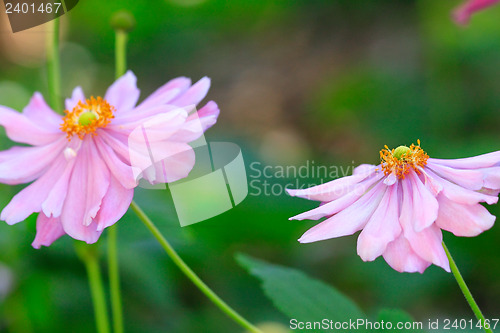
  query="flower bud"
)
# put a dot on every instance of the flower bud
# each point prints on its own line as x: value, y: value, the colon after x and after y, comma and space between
x: 123, y: 20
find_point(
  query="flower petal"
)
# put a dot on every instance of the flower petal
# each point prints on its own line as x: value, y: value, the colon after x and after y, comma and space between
x: 166, y: 93
x: 47, y: 231
x: 76, y: 96
x: 123, y: 93
x: 88, y: 184
x: 331, y: 190
x: 422, y: 205
x: 335, y: 206
x: 428, y: 244
x: 459, y: 194
x: 24, y: 164
x: 476, y: 162
x: 121, y: 170
x: 22, y: 129
x: 471, y: 179
x: 462, y: 14
x: 400, y: 256
x: 197, y: 123
x: 463, y: 220
x: 53, y: 204
x: 193, y: 95
x: 114, y: 204
x: 41, y: 114
x: 349, y: 220
x: 30, y: 199
x: 382, y: 228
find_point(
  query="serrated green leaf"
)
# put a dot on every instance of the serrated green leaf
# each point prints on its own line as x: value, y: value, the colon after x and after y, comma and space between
x: 301, y: 297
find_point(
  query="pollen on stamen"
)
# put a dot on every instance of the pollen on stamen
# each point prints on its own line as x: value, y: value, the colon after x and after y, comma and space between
x: 86, y: 117
x: 401, y: 160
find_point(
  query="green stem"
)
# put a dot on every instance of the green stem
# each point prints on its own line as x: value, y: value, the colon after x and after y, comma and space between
x: 189, y: 273
x: 114, y: 280
x: 113, y: 266
x: 465, y: 290
x: 89, y: 255
x: 120, y: 53
x: 53, y: 67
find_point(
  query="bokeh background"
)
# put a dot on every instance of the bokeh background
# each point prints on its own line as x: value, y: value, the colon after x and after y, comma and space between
x: 298, y: 82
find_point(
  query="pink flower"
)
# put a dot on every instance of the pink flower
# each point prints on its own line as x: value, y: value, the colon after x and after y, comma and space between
x: 402, y: 204
x: 462, y: 14
x: 79, y: 164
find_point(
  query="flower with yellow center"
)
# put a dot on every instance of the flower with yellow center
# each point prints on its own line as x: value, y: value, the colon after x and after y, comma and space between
x: 87, y: 117
x: 401, y: 160
x: 80, y: 167
x: 402, y: 211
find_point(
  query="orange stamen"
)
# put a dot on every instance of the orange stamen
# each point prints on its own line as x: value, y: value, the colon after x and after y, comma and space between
x: 414, y: 158
x: 78, y: 121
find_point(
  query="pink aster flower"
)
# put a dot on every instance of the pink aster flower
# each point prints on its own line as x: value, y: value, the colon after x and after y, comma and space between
x: 462, y: 14
x: 402, y: 204
x: 79, y: 164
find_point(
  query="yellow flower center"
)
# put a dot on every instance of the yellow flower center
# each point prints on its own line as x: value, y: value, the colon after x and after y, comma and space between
x: 401, y: 160
x: 87, y: 117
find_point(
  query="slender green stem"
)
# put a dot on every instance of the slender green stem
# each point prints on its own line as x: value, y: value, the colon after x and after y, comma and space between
x: 114, y: 280
x: 120, y: 52
x: 53, y: 67
x: 190, y: 274
x: 113, y: 266
x: 90, y: 257
x: 466, y: 291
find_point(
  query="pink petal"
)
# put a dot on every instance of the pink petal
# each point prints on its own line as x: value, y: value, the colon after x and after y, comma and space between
x: 117, y: 142
x: 41, y: 114
x: 430, y: 181
x: 331, y: 190
x: 476, y: 162
x: 193, y: 95
x: 428, y: 244
x: 176, y: 165
x: 461, y: 195
x: 24, y: 164
x: 22, y: 129
x: 166, y: 93
x: 76, y: 97
x: 382, y: 228
x: 348, y: 221
x: 197, y: 123
x: 335, y: 206
x: 400, y: 256
x: 418, y: 212
x: 88, y: 184
x: 471, y: 179
x: 30, y: 199
x: 462, y: 14
x: 364, y: 168
x: 123, y: 93
x: 419, y: 205
x: 114, y: 204
x: 463, y: 220
x: 53, y: 204
x: 120, y: 170
x: 47, y: 231
x: 131, y: 120
x: 491, y: 177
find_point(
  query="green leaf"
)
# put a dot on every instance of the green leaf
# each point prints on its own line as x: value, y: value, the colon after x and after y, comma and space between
x: 300, y: 297
x: 398, y: 317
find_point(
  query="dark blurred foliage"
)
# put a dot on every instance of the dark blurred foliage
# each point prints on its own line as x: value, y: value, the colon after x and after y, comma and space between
x: 324, y: 81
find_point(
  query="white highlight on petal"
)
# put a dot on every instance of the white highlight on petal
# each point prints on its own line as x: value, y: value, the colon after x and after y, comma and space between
x: 69, y: 154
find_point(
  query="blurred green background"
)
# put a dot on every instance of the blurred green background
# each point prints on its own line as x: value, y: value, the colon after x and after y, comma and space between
x: 324, y: 81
